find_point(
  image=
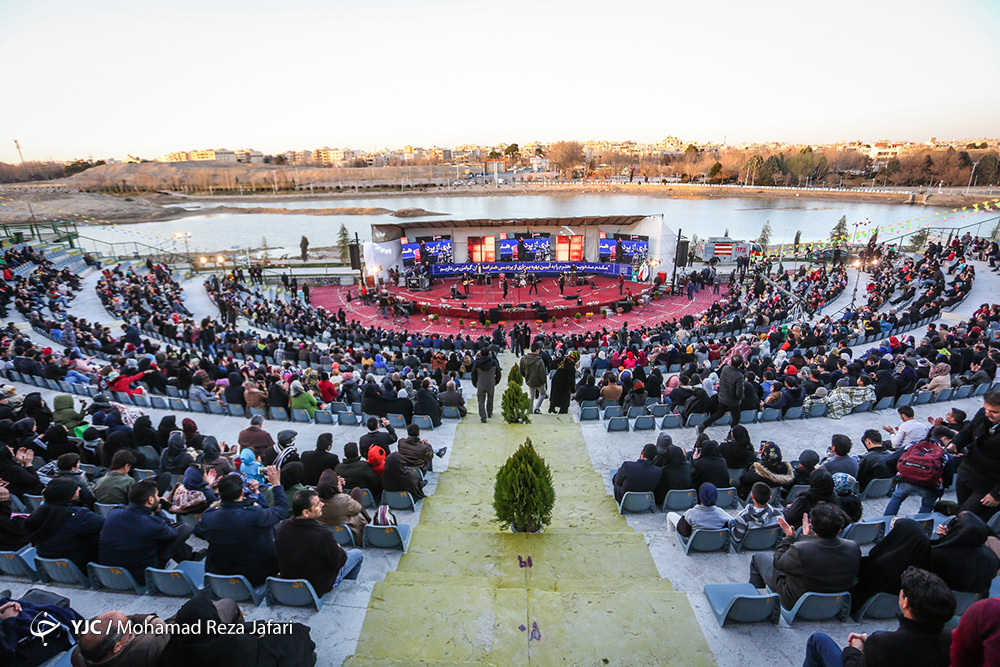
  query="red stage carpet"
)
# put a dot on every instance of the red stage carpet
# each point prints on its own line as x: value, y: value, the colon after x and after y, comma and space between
x: 335, y: 297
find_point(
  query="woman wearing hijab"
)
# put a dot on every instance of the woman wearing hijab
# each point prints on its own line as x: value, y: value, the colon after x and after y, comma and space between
x: 843, y: 486
x: 192, y: 438
x: 195, y: 480
x: 26, y: 434
x: 677, y: 470
x: 561, y: 389
x: 234, y: 391
x: 940, y: 375
x: 709, y: 466
x: 59, y: 529
x: 637, y: 397
x: 167, y: 426
x: 905, y: 545
x: 673, y: 382
x: 339, y: 508
x: 211, y: 457
x: 57, y: 442
x: 291, y: 482
x: 143, y: 433
x: 249, y: 648
x: 770, y: 470
x: 737, y: 449
x: 376, y: 459
x: 176, y: 458
x: 396, y: 477
x: 820, y: 491
x: 34, y: 407
x: 654, y: 383
x: 961, y: 556
x: 17, y: 472
x: 65, y: 412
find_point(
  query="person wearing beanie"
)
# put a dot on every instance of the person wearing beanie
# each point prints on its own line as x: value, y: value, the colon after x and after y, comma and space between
x: 60, y: 528
x: 770, y: 470
x: 808, y: 460
x: 283, y: 451
x: 706, y: 515
x: 640, y: 476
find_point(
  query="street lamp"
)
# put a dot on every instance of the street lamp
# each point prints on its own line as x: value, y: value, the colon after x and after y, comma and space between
x: 185, y: 236
x: 974, y: 165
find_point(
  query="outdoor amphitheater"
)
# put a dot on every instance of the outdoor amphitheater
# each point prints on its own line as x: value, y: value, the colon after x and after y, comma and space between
x: 104, y: 355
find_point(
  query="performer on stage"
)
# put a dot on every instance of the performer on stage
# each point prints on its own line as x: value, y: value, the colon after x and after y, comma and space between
x: 621, y: 283
x: 562, y: 282
x: 506, y: 285
x: 533, y: 282
x: 466, y: 281
x: 480, y: 276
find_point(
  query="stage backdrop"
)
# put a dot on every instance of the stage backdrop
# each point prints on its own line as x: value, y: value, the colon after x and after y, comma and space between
x: 541, y: 268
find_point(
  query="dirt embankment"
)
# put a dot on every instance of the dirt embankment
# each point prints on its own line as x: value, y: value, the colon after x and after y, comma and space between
x: 345, y: 210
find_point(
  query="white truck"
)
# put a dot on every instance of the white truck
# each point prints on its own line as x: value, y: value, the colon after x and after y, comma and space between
x: 725, y: 250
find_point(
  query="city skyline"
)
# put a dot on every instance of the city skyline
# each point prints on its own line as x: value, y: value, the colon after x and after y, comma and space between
x: 112, y: 79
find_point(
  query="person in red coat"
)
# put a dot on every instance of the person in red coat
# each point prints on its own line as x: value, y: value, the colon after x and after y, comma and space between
x: 976, y: 640
x: 123, y: 383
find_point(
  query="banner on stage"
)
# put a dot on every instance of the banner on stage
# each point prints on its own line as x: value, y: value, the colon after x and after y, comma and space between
x: 598, y: 268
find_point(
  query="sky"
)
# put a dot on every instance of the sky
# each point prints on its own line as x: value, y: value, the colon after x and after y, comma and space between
x: 109, y: 78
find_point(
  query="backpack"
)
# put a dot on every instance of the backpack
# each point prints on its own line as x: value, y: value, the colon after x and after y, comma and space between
x: 384, y: 517
x: 922, y: 464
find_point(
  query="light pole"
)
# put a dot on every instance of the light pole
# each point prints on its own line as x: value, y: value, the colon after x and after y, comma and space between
x: 185, y: 236
x: 974, y: 165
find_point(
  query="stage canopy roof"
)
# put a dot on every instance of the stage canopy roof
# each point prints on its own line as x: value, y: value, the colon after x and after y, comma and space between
x: 389, y: 232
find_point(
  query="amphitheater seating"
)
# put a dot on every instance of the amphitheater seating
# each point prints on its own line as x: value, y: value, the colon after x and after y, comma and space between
x: 742, y: 603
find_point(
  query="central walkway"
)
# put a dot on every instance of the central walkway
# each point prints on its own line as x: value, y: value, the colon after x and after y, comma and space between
x: 584, y: 592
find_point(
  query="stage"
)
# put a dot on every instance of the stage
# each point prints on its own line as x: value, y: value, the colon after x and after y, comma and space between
x: 334, y: 298
x: 518, y: 303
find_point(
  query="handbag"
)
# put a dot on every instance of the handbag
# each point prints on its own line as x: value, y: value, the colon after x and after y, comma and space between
x: 185, y: 501
x: 384, y: 517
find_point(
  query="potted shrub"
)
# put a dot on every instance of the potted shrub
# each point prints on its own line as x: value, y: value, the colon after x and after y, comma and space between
x: 590, y: 317
x: 604, y: 313
x: 578, y: 317
x: 515, y: 406
x: 447, y: 321
x: 461, y: 323
x: 523, y: 495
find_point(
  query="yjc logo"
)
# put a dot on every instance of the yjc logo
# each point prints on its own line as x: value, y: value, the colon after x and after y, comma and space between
x: 42, y: 626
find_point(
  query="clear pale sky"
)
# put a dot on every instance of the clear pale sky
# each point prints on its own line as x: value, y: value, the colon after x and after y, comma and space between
x: 108, y: 78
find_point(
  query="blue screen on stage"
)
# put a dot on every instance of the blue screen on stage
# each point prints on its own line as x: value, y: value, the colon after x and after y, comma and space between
x: 635, y: 248
x: 507, y: 250
x: 605, y: 250
x: 538, y: 250
x: 438, y: 252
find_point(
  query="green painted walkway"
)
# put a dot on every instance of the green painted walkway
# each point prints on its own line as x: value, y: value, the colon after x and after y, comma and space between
x: 461, y: 596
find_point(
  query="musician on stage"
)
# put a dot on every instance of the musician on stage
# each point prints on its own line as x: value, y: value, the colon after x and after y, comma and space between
x: 506, y: 285
x: 533, y: 282
x: 562, y: 282
x: 466, y: 281
x: 454, y: 291
x: 480, y: 276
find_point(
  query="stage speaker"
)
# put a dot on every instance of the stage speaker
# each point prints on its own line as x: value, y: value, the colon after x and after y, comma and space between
x: 354, y: 250
x: 570, y: 297
x: 508, y: 305
x: 522, y: 305
x: 494, y: 315
x: 680, y: 258
x: 625, y: 305
x: 536, y: 304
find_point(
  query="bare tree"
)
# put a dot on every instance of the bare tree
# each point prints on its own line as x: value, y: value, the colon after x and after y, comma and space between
x: 566, y: 155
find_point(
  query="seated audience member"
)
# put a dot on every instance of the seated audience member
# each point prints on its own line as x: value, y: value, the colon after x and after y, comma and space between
x: 356, y: 472
x: 239, y: 535
x: 737, y: 449
x: 808, y: 460
x: 921, y: 639
x: 709, y: 466
x: 113, y: 488
x: 212, y: 459
x: 426, y: 403
x: 905, y: 545
x: 676, y: 468
x: 12, y: 533
x: 284, y: 451
x: 875, y: 464
x: 68, y: 467
x: 61, y: 529
x: 417, y: 452
x: 175, y: 458
x: 139, y: 536
x: 451, y: 397
x: 961, y: 556
x: 820, y: 563
x: 839, y: 457
x: 21, y: 645
x: 308, y: 550
x: 639, y: 475
x: 291, y: 482
x: 976, y: 640
x: 376, y: 437
x: 844, y: 486
x: 909, y: 431
x: 770, y: 470
x: 255, y: 437
x: 706, y: 515
x: 105, y: 641
x: 246, y: 647
x: 955, y: 420
x: 820, y: 491
x: 757, y: 513
x: 318, y: 460
x: 16, y: 471
x: 589, y: 390
x: 340, y: 508
x: 397, y: 476
x: 978, y: 481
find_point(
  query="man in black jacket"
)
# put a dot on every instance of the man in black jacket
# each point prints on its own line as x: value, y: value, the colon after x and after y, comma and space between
x: 978, y: 484
x: 639, y: 475
x: 730, y: 392
x: 485, y: 376
x: 308, y: 550
x: 318, y: 460
x: 376, y: 437
x: 875, y: 464
x: 810, y: 563
x: 927, y: 604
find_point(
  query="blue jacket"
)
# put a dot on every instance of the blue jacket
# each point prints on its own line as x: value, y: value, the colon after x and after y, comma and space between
x: 241, y: 538
x: 132, y: 538
x: 75, y: 539
x: 639, y: 475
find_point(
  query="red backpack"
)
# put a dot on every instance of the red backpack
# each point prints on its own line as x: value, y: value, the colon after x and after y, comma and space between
x: 922, y: 464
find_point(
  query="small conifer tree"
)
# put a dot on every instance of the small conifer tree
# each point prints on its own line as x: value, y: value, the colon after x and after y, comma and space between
x: 523, y: 496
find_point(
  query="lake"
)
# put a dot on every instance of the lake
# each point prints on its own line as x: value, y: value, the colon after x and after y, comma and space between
x: 742, y: 217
